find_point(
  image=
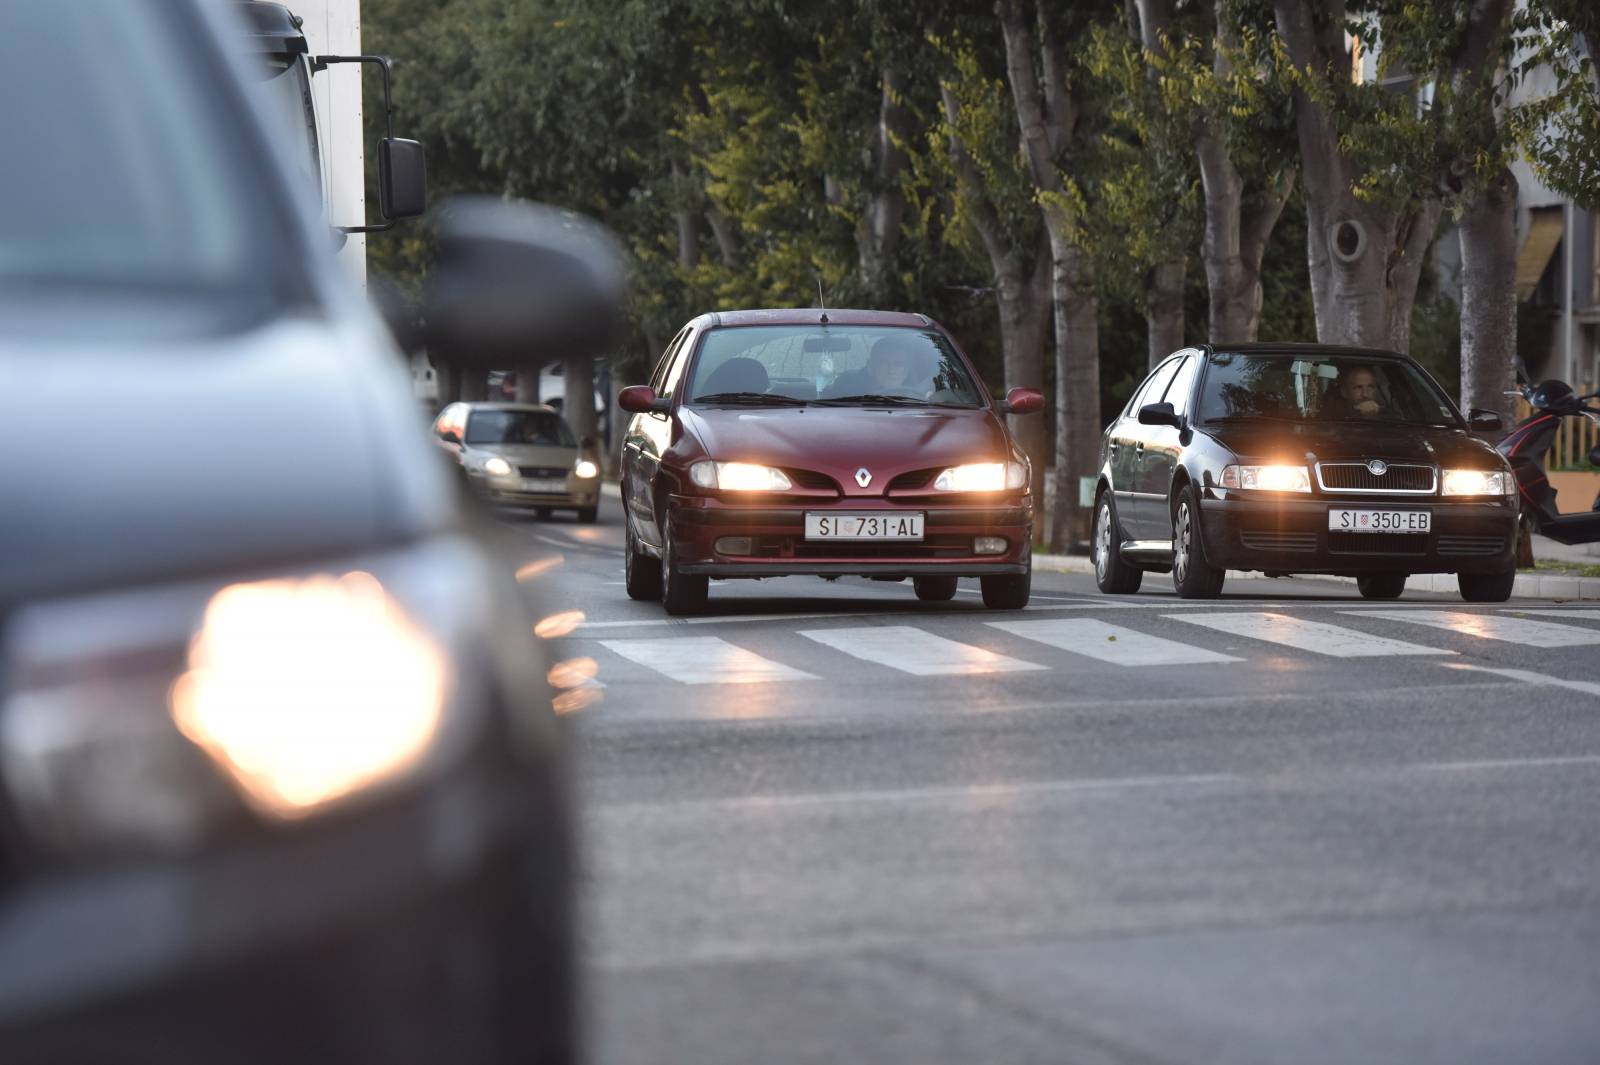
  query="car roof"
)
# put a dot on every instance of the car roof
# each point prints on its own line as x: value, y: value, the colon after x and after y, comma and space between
x: 814, y: 316
x: 1295, y: 348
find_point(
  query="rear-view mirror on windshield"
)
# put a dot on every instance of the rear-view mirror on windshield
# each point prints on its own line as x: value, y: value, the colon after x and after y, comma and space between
x: 826, y: 343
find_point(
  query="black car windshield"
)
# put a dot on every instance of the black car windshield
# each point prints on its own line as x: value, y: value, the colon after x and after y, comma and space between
x: 124, y: 168
x: 1321, y: 388
x: 843, y: 365
x: 486, y: 427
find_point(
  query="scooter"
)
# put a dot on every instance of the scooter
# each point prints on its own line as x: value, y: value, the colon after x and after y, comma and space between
x: 1526, y: 446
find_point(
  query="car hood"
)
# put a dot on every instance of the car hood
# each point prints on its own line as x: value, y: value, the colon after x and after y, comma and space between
x: 291, y: 444
x: 1331, y: 441
x: 838, y: 441
x: 527, y: 454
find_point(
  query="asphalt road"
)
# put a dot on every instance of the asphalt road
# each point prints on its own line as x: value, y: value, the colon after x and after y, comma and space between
x: 827, y: 823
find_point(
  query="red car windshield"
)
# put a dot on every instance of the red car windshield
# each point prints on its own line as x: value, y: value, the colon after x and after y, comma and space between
x: 855, y: 365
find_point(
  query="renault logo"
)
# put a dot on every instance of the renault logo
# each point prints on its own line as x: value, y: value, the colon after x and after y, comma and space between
x: 1377, y: 467
x: 863, y: 477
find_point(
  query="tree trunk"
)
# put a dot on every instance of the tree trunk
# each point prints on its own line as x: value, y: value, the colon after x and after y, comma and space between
x: 1163, y: 309
x: 578, y: 406
x: 880, y: 222
x: 688, y: 242
x: 1024, y: 302
x: 726, y: 234
x: 1077, y: 324
x: 528, y: 383
x: 1489, y: 294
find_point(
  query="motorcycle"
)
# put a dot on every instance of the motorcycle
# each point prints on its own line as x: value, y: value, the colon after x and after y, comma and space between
x: 1526, y: 446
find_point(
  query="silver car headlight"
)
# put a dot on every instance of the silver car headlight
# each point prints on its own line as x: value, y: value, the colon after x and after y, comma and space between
x: 496, y: 466
x: 1477, y: 483
x: 150, y: 718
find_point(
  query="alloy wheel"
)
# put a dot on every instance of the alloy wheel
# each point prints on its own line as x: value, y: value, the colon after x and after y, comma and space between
x: 1102, y: 540
x: 1180, y: 543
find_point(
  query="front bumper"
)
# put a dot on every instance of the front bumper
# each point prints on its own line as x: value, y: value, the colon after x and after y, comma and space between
x: 1291, y: 536
x: 507, y: 492
x: 779, y: 547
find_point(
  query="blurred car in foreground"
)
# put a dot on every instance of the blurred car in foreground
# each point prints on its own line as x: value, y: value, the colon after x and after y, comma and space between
x: 279, y: 774
x: 840, y: 443
x: 1301, y: 458
x: 522, y: 455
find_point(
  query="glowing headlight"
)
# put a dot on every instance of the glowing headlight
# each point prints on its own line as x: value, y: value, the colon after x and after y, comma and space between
x: 1477, y: 483
x: 306, y: 690
x: 498, y: 467
x: 586, y: 469
x: 981, y: 477
x: 739, y: 477
x: 1267, y: 478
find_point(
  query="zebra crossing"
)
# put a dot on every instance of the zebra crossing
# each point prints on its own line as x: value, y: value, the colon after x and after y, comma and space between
x: 1062, y: 642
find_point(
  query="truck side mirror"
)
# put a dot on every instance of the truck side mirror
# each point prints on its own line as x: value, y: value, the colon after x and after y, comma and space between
x: 516, y: 283
x: 402, y: 178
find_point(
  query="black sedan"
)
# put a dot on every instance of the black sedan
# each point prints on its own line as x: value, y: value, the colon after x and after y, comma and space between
x: 1289, y: 458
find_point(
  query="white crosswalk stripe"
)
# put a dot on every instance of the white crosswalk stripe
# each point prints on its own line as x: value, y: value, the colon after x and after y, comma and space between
x: 1110, y: 643
x: 1579, y: 615
x: 910, y: 650
x: 1315, y: 636
x: 1527, y: 632
x: 704, y: 660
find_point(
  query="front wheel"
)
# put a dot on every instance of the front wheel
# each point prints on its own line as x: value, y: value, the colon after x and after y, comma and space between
x: 934, y: 589
x: 1381, y: 585
x: 587, y: 515
x: 1486, y: 587
x: 1192, y: 576
x: 1111, y: 573
x: 1007, y: 591
x: 641, y: 573
x: 681, y: 593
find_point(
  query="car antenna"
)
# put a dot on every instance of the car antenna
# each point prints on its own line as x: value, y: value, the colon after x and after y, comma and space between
x: 822, y: 302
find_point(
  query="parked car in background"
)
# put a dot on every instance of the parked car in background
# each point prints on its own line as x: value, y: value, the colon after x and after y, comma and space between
x: 840, y: 443
x: 1291, y: 458
x: 280, y: 775
x: 522, y: 455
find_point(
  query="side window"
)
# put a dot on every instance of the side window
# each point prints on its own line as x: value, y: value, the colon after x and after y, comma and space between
x: 658, y: 379
x: 1183, y: 384
x: 675, y: 369
x: 1153, y: 387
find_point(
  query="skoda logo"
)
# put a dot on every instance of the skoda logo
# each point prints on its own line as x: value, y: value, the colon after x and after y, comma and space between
x: 863, y: 477
x: 1377, y: 467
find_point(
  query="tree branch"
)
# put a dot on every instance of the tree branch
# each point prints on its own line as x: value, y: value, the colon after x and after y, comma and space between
x: 1025, y: 94
x: 985, y: 219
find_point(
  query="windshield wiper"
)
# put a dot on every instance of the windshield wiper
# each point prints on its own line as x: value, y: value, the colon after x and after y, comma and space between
x: 1220, y: 418
x: 754, y: 399
x: 875, y: 399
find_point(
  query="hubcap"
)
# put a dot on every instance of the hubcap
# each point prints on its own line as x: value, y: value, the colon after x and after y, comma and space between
x: 1102, y: 540
x: 1180, y: 546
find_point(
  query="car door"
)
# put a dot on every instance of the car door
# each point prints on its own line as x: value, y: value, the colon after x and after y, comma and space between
x: 647, y: 437
x: 1136, y: 438
x: 1121, y: 456
x: 1158, y: 461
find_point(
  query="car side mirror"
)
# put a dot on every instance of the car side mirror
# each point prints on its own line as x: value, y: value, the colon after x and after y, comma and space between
x: 1485, y: 421
x: 1159, y: 414
x: 402, y: 178
x: 1024, y: 401
x: 516, y: 283
x: 642, y: 399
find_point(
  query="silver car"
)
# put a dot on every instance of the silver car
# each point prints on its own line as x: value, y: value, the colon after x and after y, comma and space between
x: 522, y: 455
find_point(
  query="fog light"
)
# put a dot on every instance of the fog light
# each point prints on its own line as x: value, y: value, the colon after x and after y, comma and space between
x: 733, y: 545
x: 989, y: 545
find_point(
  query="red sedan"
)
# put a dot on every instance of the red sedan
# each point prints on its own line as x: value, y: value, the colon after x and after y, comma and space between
x: 824, y: 443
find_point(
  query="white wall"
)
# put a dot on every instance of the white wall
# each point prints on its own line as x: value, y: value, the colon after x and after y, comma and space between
x: 333, y: 27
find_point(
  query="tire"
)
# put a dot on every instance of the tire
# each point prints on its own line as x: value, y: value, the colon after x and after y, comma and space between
x: 587, y: 515
x: 1008, y: 591
x: 641, y: 573
x: 1486, y: 587
x: 1192, y: 576
x: 935, y: 589
x: 1381, y: 585
x: 680, y: 592
x: 542, y: 513
x: 1111, y: 573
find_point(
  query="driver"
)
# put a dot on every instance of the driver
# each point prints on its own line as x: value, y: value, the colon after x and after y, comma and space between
x: 889, y: 365
x: 1356, y: 394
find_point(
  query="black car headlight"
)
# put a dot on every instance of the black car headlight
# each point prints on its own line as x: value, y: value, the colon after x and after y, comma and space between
x: 149, y: 718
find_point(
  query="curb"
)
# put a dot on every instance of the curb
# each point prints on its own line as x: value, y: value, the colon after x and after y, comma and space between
x: 1527, y: 585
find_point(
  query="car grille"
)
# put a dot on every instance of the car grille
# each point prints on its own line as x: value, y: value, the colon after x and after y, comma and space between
x: 811, y: 479
x: 542, y: 471
x: 1471, y: 545
x: 913, y: 479
x: 1396, y: 480
x: 1347, y: 543
x: 1275, y: 540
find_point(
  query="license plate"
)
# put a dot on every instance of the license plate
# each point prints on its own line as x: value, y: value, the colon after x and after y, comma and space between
x: 1380, y: 521
x: 547, y: 487
x: 864, y: 526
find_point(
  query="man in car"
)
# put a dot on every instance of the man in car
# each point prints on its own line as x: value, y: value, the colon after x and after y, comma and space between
x: 888, y: 370
x: 1356, y: 394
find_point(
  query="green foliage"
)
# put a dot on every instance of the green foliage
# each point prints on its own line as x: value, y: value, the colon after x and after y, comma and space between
x: 1560, y: 131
